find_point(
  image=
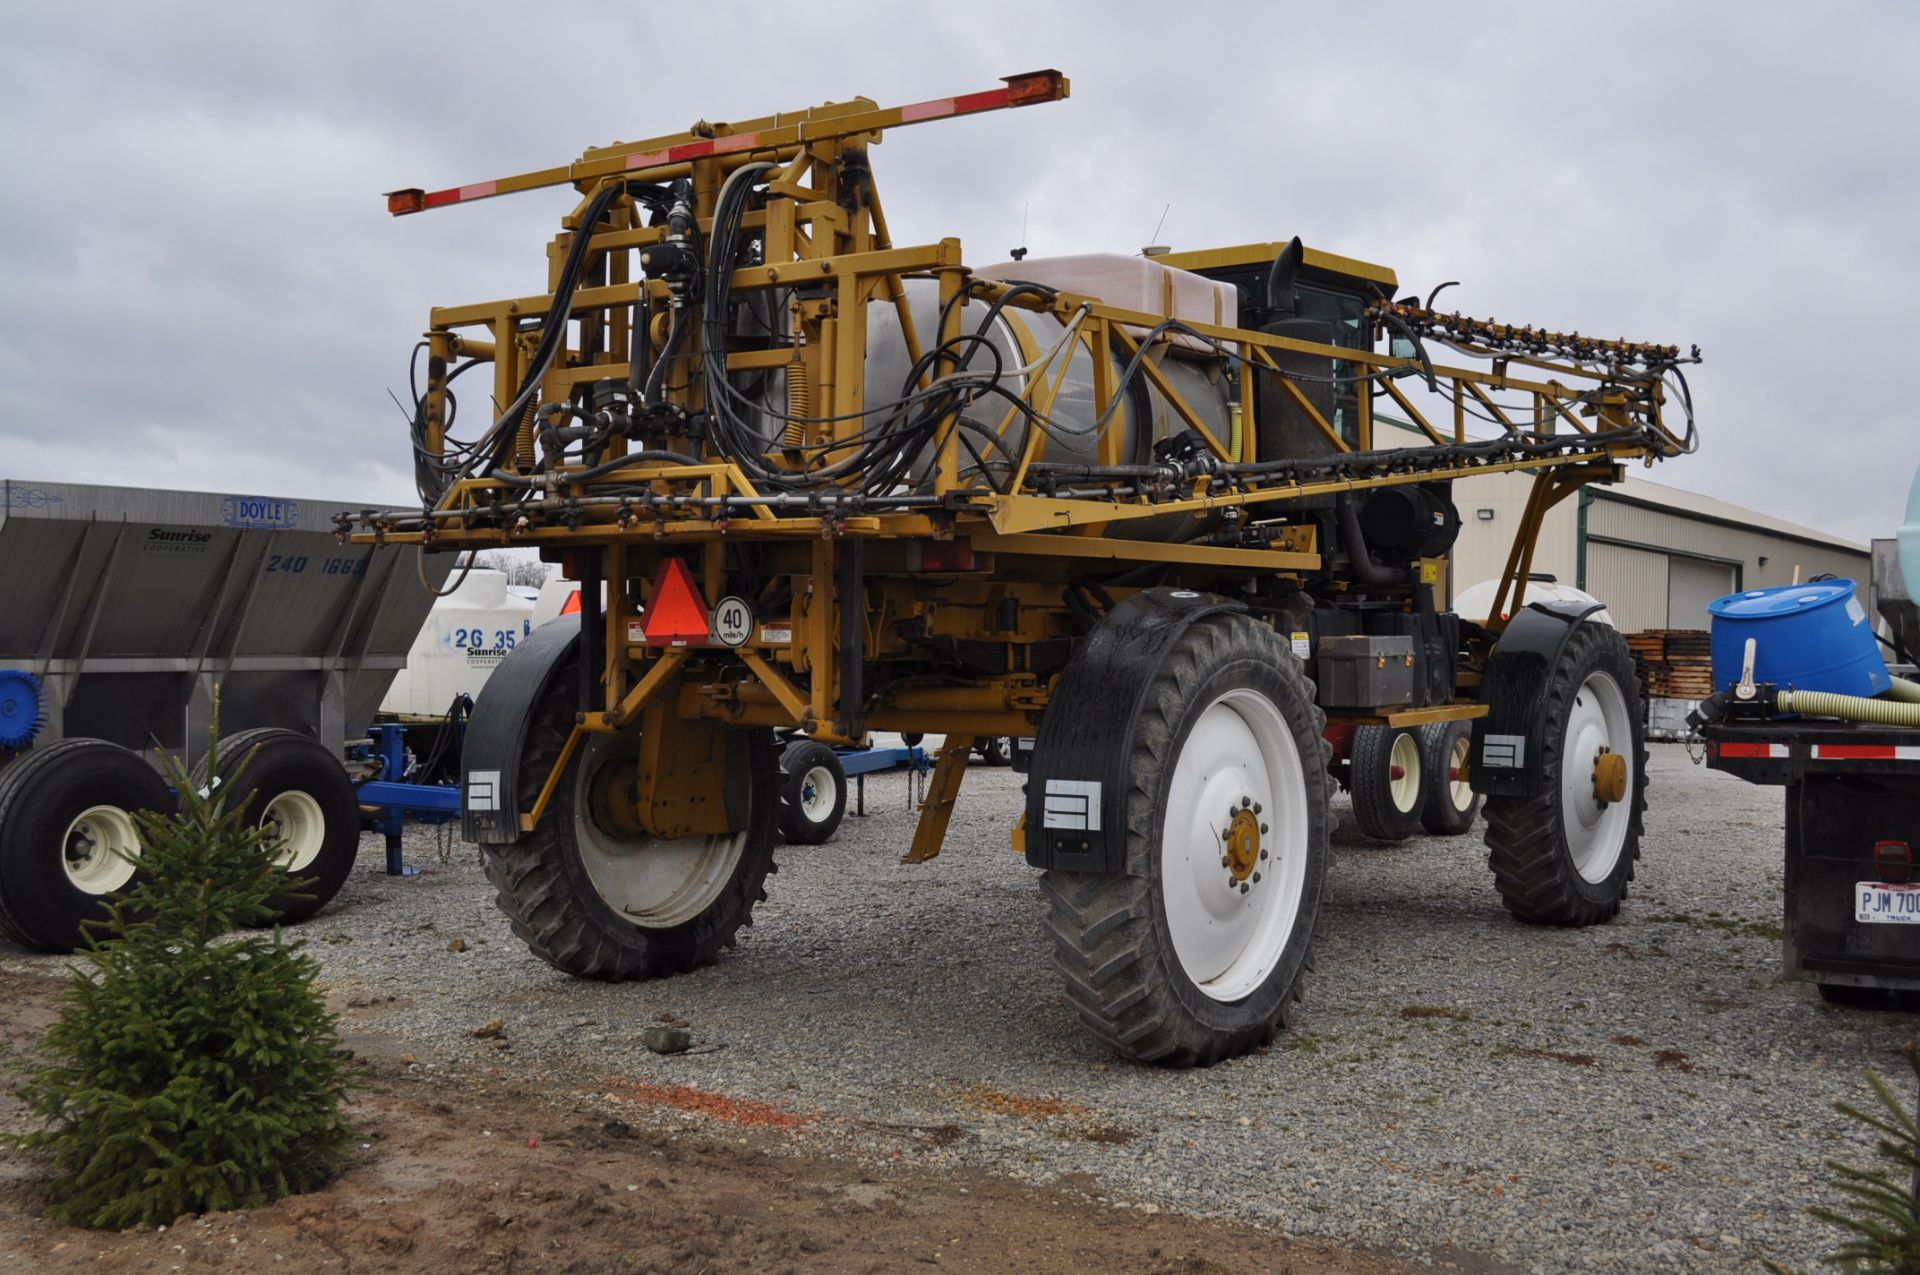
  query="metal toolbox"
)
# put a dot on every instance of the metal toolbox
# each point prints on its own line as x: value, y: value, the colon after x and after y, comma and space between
x: 1364, y: 672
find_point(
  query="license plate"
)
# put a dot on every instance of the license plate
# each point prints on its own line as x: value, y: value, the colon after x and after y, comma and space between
x: 1883, y: 903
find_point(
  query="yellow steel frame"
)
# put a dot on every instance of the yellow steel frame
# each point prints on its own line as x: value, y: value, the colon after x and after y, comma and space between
x: 826, y: 238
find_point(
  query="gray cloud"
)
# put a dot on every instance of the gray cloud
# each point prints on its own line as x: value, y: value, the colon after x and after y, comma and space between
x: 205, y: 290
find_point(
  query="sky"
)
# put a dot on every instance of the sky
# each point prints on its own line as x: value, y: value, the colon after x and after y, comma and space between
x: 204, y: 289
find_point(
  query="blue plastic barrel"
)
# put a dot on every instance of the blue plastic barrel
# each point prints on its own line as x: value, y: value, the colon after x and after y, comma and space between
x: 1808, y: 637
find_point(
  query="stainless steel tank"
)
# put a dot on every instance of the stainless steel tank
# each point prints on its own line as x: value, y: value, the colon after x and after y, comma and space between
x: 1018, y: 342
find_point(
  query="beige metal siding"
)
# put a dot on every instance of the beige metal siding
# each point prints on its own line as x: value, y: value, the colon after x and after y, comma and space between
x: 1692, y: 585
x: 1633, y: 584
x: 1481, y: 552
x: 1612, y: 519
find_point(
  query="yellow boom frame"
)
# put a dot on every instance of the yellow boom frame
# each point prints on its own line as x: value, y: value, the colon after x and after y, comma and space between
x: 1002, y: 555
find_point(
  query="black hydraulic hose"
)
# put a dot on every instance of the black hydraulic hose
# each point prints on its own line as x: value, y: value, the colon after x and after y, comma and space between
x: 1359, y: 560
x: 604, y: 467
x: 553, y: 333
x: 1406, y: 459
x: 676, y: 337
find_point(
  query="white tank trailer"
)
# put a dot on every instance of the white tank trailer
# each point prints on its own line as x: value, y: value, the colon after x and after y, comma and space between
x: 121, y: 612
x: 465, y: 636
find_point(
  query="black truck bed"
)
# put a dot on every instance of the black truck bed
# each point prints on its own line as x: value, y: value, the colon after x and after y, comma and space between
x: 1852, y: 818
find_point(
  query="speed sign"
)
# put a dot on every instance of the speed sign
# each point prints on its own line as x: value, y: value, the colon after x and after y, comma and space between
x: 732, y: 622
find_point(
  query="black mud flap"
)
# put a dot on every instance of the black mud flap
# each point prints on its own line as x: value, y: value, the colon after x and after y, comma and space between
x: 1506, y: 742
x: 1077, y: 787
x: 489, y: 805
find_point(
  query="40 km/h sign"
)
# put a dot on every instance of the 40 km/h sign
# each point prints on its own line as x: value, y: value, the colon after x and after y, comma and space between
x: 732, y: 621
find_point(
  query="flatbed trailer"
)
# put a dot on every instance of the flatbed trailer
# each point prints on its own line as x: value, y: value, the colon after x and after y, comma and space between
x: 1852, y: 911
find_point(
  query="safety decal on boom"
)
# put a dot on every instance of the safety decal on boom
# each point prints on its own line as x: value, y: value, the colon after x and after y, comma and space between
x: 1073, y: 805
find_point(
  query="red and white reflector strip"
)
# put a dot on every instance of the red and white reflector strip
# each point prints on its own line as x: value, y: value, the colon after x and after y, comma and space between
x: 693, y: 150
x: 1760, y: 752
x: 1866, y: 752
x: 1024, y: 89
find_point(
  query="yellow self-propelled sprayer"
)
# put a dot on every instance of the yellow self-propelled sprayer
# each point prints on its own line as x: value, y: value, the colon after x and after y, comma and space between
x: 1131, y: 511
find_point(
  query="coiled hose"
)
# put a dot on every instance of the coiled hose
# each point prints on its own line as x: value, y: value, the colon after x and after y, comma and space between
x: 1903, y: 710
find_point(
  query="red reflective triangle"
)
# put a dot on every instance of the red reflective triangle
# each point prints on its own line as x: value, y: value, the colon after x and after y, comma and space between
x: 676, y: 613
x: 572, y: 606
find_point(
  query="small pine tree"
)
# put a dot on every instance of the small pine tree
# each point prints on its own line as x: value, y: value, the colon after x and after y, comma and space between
x: 190, y: 1071
x: 1883, y: 1217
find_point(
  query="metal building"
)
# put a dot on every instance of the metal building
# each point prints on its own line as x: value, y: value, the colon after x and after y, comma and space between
x: 1654, y: 554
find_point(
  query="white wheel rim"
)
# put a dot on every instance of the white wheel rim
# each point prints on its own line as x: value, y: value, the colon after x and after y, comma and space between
x: 1405, y: 754
x: 1596, y: 830
x: 817, y: 794
x: 651, y: 881
x: 1461, y: 790
x: 99, y: 850
x: 296, y: 829
x: 1239, y: 755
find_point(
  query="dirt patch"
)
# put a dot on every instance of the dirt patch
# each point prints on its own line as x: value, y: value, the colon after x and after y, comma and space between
x: 1631, y: 1042
x: 1553, y: 1055
x: 499, y: 1178
x: 1671, y: 1060
x: 996, y: 1103
x: 748, y: 1115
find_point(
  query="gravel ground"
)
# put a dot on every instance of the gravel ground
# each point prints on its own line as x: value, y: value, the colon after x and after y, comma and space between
x: 1646, y: 1095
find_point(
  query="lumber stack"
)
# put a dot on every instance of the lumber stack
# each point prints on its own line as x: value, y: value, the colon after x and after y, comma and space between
x: 1678, y: 662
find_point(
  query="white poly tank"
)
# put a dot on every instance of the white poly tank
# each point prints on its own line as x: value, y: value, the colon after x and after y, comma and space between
x: 1471, y: 604
x: 466, y: 635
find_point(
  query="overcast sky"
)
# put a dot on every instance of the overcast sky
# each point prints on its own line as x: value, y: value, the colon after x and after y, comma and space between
x: 203, y: 288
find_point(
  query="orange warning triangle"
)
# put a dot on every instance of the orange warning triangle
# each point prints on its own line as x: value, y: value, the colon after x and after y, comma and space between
x: 676, y: 613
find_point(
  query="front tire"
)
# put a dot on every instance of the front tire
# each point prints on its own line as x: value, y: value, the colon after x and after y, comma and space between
x: 813, y: 793
x: 292, y: 786
x: 1386, y: 781
x: 1174, y: 962
x: 68, y: 837
x: 598, y: 902
x: 1565, y: 855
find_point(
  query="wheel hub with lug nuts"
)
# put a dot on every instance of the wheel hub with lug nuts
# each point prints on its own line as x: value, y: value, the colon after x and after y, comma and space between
x: 1242, y: 841
x: 1609, y: 776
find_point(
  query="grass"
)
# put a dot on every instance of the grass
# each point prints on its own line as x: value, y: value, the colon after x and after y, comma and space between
x: 1732, y: 925
x: 1436, y: 1011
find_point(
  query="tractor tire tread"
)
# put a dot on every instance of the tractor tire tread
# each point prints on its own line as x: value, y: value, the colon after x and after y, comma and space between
x: 1526, y: 844
x: 1108, y: 948
x: 578, y: 935
x: 1372, y: 784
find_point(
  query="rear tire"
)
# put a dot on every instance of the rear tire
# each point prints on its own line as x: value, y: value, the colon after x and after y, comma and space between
x: 1171, y: 962
x: 598, y: 904
x: 292, y: 785
x: 64, y: 812
x: 1851, y: 997
x: 1386, y: 808
x: 992, y: 750
x: 1448, y: 803
x: 1562, y: 856
x: 813, y: 794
